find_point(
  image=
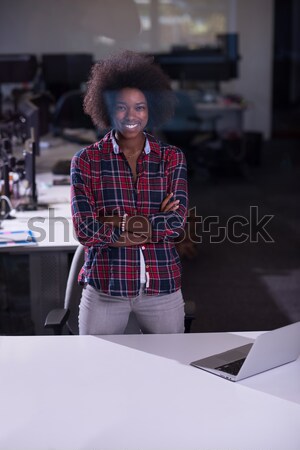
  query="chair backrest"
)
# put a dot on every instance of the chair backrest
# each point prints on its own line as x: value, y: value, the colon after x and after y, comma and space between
x: 74, y: 290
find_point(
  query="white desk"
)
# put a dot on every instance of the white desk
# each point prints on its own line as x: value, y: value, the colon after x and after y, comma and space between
x: 90, y: 393
x: 49, y: 259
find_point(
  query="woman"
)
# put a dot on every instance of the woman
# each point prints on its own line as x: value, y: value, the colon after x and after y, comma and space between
x: 129, y: 202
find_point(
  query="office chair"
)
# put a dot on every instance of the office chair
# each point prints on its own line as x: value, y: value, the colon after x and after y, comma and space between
x: 68, y: 315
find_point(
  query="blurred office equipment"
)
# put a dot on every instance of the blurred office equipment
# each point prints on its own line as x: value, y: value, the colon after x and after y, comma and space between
x: 207, y: 124
x: 16, y: 68
x: 63, y: 72
x: 19, y: 147
x: 69, y: 115
x: 29, y: 117
x: 64, y: 76
x: 210, y: 63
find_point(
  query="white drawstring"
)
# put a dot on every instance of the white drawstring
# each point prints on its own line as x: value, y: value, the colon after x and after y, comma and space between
x: 147, y: 279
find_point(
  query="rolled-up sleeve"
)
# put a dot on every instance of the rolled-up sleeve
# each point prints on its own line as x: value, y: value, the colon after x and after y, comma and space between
x: 169, y: 226
x: 89, y: 231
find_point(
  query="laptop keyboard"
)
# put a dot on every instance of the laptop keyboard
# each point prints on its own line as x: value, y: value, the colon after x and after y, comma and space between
x: 233, y: 368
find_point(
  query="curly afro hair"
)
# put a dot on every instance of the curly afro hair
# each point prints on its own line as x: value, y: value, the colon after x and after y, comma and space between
x: 128, y: 69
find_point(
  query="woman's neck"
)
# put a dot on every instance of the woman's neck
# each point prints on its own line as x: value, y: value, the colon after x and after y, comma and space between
x: 134, y: 145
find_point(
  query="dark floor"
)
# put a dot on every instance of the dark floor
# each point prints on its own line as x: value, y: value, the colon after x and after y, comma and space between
x: 235, y: 286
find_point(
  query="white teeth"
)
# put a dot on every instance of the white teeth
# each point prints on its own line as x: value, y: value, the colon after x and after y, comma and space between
x: 131, y: 126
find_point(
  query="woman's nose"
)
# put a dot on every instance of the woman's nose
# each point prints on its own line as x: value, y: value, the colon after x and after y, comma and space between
x: 130, y: 113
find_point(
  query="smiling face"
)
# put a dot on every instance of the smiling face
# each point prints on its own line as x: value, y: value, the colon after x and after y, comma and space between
x: 130, y: 113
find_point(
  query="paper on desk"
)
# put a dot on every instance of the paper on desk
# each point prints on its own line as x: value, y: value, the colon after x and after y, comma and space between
x: 16, y: 238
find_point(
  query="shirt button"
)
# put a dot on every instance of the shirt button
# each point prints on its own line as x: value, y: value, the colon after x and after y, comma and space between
x: 147, y: 267
x: 143, y: 247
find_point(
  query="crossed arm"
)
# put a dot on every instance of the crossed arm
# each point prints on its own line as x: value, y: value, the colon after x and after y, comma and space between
x: 159, y: 226
x: 138, y: 228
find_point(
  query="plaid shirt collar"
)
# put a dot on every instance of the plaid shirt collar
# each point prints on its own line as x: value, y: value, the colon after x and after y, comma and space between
x: 150, y: 144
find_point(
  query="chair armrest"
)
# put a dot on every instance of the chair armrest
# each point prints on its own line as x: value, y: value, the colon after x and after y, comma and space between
x: 56, y: 319
x: 190, y: 309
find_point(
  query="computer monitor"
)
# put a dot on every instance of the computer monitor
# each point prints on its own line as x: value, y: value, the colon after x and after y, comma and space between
x: 62, y: 72
x: 216, y: 63
x: 17, y: 68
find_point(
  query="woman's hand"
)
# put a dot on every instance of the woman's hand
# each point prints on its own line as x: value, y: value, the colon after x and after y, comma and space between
x: 167, y: 205
x: 137, y: 229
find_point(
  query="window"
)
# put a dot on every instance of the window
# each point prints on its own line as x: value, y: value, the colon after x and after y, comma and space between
x: 182, y: 23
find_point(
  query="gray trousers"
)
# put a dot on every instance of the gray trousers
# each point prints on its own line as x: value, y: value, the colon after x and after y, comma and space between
x: 101, y: 313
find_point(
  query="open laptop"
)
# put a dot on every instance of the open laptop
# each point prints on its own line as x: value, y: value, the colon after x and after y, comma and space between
x: 270, y: 349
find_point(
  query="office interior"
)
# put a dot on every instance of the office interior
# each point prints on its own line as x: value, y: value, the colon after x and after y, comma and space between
x: 235, y: 67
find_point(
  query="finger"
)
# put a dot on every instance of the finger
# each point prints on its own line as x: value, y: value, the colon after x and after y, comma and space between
x: 165, y: 201
x: 170, y: 209
x: 171, y: 206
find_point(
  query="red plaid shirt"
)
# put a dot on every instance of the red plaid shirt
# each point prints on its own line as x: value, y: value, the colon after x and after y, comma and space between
x: 102, y: 183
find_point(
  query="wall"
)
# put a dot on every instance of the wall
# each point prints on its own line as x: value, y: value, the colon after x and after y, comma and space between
x: 38, y: 26
x: 254, y: 22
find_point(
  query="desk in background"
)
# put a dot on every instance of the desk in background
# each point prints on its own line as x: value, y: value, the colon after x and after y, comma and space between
x: 49, y: 259
x: 226, y: 121
x: 222, y: 118
x: 139, y: 393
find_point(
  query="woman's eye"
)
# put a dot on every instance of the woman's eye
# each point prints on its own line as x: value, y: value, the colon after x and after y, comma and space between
x: 120, y: 108
x: 140, y: 108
